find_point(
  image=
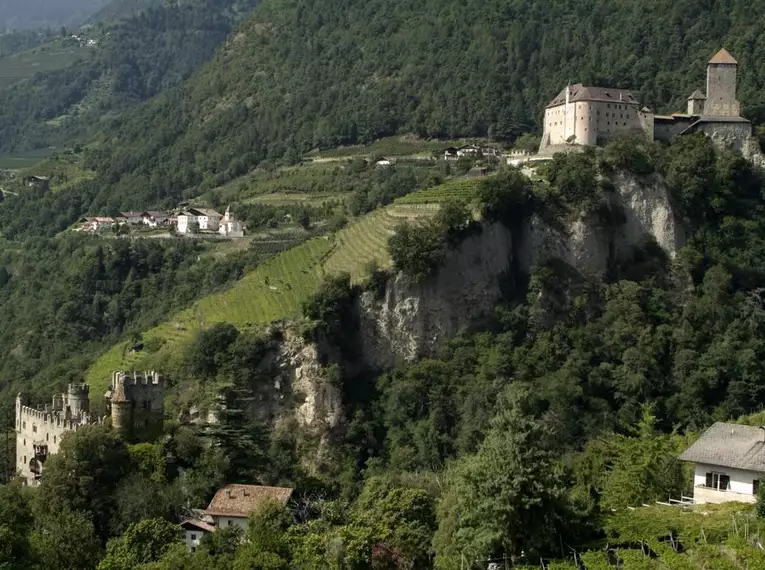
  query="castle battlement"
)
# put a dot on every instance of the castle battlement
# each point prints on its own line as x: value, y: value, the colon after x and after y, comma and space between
x: 135, y: 378
x: 136, y: 411
x: 55, y: 418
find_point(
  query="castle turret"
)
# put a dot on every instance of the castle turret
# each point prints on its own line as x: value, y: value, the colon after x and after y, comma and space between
x: 722, y: 71
x: 77, y: 398
x: 696, y: 103
x: 120, y: 405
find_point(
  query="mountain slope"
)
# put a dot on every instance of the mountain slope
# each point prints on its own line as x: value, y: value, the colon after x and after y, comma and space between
x: 17, y: 14
x: 317, y: 74
x: 131, y: 61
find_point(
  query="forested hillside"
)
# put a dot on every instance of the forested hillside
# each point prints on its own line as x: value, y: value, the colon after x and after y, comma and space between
x: 319, y: 74
x: 134, y: 59
x: 17, y: 14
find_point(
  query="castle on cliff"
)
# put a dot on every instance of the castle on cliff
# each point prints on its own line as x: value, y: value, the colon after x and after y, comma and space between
x: 592, y: 116
x: 135, y: 403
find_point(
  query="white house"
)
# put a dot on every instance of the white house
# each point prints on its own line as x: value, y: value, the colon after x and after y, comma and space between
x: 203, y: 219
x: 469, y: 150
x: 230, y: 226
x: 95, y: 223
x: 730, y: 460
x: 154, y: 218
x: 232, y: 504
x: 193, y: 531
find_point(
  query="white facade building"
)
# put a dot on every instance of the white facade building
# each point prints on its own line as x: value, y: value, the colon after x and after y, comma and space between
x: 730, y: 461
x: 202, y: 219
x: 582, y: 115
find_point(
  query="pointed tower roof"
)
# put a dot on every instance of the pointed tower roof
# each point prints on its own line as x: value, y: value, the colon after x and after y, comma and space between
x: 696, y: 95
x: 723, y: 57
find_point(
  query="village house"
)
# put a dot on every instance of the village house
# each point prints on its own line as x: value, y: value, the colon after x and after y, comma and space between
x: 95, y: 223
x: 131, y: 218
x: 729, y: 462
x: 193, y: 531
x: 469, y: 151
x: 201, y: 219
x: 450, y: 153
x: 39, y: 182
x: 233, y: 504
x: 154, y: 218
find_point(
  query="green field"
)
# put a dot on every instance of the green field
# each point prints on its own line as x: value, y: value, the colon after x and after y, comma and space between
x: 23, y: 161
x: 48, y: 57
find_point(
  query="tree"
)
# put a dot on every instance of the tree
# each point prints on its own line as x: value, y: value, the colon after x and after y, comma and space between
x: 505, y: 499
x: 83, y: 476
x: 505, y: 197
x: 210, y: 350
x: 15, y: 526
x: 66, y: 540
x: 418, y: 251
x: 143, y: 542
x: 267, y: 546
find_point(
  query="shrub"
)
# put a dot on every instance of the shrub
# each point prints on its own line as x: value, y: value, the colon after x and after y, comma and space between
x: 417, y: 250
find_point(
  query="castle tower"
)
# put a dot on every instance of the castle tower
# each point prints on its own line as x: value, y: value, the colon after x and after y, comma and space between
x: 696, y: 103
x: 137, y: 404
x: 722, y: 72
x: 77, y: 398
x: 120, y: 405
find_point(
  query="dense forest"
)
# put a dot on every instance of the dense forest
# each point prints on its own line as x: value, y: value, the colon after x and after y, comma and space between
x: 319, y: 74
x: 135, y: 59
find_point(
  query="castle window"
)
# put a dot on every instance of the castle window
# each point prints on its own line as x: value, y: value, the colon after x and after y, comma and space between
x: 47, y: 437
x: 608, y: 105
x: 25, y: 459
x: 193, y: 536
x: 24, y: 425
x: 34, y: 428
x: 25, y: 442
x: 54, y: 439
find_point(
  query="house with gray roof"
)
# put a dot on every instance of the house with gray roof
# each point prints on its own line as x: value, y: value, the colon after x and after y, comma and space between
x: 729, y: 462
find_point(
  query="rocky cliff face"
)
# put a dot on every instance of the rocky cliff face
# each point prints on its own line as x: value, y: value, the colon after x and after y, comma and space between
x: 412, y: 319
x: 589, y: 244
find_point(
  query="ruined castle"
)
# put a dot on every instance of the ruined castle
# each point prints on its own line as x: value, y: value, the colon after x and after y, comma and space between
x: 135, y: 406
x: 592, y: 116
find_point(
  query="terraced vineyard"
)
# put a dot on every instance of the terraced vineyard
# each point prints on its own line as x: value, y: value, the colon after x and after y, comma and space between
x: 366, y: 241
x: 461, y: 189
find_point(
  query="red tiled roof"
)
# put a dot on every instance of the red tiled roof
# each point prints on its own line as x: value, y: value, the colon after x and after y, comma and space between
x: 196, y: 523
x: 723, y: 57
x: 241, y: 500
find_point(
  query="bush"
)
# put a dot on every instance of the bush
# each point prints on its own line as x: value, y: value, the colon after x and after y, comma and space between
x: 506, y: 197
x: 417, y: 250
